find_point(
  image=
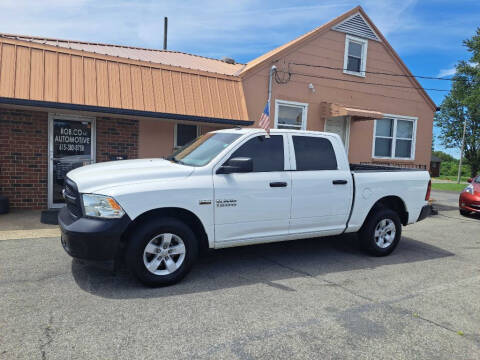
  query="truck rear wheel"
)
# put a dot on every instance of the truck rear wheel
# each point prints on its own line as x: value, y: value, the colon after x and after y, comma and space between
x: 381, y: 232
x: 161, y: 252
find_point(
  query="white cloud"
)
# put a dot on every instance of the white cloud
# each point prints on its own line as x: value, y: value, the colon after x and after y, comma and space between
x: 240, y: 29
x: 447, y: 72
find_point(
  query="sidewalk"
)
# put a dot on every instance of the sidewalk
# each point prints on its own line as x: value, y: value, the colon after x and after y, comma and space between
x: 25, y: 224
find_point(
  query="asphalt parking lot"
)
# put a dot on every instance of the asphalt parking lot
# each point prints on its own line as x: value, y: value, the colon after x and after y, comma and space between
x: 307, y: 299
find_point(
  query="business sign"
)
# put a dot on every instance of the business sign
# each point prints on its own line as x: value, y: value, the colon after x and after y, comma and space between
x: 71, y: 138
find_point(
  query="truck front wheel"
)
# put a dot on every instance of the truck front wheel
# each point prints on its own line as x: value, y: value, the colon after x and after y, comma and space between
x: 381, y: 232
x: 161, y: 252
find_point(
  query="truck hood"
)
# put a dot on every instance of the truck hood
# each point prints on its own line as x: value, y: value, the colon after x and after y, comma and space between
x: 96, y: 177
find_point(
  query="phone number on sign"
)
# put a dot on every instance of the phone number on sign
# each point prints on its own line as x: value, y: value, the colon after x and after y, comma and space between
x: 71, y: 147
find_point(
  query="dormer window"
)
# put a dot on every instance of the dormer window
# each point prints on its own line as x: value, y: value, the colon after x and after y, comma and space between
x: 355, y: 59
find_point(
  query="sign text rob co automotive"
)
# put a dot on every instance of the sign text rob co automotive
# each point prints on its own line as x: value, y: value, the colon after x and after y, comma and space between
x: 72, y: 137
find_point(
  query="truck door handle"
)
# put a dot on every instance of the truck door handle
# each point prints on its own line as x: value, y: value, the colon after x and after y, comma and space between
x: 339, y: 182
x: 278, y: 184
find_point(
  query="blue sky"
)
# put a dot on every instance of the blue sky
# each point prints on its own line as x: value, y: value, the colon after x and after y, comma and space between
x: 427, y: 34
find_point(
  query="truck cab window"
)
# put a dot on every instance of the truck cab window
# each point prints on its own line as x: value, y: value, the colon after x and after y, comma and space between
x: 314, y: 153
x: 267, y: 153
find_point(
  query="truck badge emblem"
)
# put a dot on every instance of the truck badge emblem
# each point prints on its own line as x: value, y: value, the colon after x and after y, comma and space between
x: 226, y: 202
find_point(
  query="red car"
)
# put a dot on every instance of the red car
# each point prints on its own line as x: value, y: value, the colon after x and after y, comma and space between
x: 470, y: 197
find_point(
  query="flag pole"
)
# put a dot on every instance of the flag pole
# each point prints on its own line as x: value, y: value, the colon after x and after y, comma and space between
x: 272, y: 71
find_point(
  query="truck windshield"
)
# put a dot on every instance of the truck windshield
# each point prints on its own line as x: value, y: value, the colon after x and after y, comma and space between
x: 202, y: 150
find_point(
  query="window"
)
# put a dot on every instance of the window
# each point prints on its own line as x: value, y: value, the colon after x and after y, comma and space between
x: 314, y: 153
x: 355, y: 59
x: 290, y: 115
x: 395, y: 138
x: 184, y: 134
x: 204, y: 149
x: 266, y: 153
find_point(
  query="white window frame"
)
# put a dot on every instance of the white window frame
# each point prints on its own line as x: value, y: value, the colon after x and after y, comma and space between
x: 304, y: 107
x: 394, y: 138
x: 175, y: 145
x: 363, y: 60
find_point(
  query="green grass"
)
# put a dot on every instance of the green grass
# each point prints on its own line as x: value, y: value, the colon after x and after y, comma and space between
x: 448, y: 187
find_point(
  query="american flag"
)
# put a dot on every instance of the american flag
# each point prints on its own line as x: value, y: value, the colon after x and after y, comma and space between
x: 265, y: 119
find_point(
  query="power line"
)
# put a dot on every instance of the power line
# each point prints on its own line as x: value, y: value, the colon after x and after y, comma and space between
x: 365, y: 82
x: 377, y: 72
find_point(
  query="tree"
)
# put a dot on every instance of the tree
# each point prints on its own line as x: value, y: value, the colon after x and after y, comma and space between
x: 463, y: 104
x: 444, y: 156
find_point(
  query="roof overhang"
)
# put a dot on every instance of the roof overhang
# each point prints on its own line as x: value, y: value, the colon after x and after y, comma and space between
x: 333, y: 110
x: 112, y: 112
x: 44, y: 76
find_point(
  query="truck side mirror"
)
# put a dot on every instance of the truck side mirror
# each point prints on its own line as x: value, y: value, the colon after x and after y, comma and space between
x: 236, y: 165
x: 470, y: 180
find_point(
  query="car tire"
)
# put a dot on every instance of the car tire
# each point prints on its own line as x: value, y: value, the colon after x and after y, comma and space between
x: 153, y: 262
x: 464, y: 212
x: 381, y: 232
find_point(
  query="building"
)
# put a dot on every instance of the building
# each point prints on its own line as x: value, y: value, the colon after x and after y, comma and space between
x: 435, y: 163
x: 65, y: 103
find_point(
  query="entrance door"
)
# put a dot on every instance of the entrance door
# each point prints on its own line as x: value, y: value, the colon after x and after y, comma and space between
x: 71, y: 145
x: 254, y: 206
x: 339, y: 125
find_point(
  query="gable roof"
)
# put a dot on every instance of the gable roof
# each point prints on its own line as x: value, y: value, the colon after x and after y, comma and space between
x: 276, y: 53
x: 165, y: 57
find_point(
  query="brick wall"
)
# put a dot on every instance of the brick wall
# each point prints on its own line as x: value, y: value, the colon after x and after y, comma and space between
x: 24, y: 153
x: 23, y: 157
x: 116, y: 138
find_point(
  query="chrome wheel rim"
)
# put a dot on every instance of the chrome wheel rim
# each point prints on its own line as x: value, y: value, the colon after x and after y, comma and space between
x: 385, y: 233
x: 164, y: 254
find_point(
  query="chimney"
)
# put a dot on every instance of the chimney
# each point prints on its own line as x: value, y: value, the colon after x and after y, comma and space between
x: 165, y: 28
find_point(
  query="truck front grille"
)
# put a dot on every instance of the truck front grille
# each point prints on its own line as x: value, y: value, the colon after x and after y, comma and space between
x: 72, y: 198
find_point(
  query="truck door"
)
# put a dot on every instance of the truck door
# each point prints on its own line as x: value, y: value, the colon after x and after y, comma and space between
x: 254, y: 206
x: 321, y: 186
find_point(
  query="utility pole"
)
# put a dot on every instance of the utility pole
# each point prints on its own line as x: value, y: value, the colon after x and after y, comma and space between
x: 461, y: 151
x: 165, y: 29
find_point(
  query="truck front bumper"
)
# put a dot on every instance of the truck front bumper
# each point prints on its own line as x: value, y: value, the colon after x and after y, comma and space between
x: 91, y: 238
x: 426, y: 212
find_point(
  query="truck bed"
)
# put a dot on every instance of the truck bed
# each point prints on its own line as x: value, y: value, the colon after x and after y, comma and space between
x: 379, y: 168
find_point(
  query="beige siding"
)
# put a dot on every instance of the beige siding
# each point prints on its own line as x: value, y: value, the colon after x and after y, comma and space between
x: 37, y: 74
x: 22, y: 75
x: 41, y: 72
x: 327, y: 49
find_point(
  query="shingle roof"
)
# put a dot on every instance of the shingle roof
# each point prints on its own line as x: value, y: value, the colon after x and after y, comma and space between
x: 166, y: 57
x: 435, y: 159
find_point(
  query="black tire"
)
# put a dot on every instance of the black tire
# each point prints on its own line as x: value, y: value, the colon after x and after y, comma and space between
x: 367, y: 233
x: 141, y: 237
x: 464, y: 212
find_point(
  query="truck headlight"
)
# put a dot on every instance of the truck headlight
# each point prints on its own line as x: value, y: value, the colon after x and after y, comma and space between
x: 101, y: 206
x: 469, y: 189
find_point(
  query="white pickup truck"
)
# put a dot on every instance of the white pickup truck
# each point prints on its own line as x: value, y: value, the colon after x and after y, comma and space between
x: 231, y: 188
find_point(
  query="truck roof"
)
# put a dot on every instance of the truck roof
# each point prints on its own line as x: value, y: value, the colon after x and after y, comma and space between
x: 250, y: 130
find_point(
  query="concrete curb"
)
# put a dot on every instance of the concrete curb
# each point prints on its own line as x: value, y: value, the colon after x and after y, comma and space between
x: 29, y: 234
